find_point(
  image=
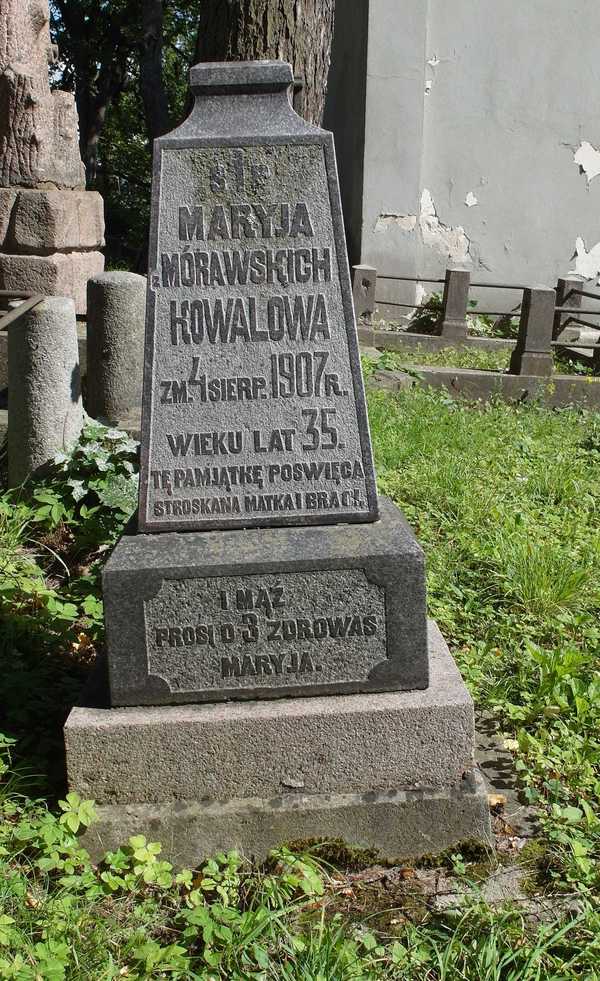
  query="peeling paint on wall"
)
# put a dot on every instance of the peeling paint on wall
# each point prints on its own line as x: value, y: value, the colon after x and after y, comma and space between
x: 471, y: 200
x: 588, y: 160
x: 406, y: 223
x: 451, y: 242
x: 587, y: 264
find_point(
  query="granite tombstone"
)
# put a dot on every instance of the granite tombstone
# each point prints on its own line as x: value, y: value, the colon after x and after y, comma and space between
x: 265, y: 577
x: 254, y: 409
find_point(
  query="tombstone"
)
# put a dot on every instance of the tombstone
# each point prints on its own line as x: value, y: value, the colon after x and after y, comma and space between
x: 263, y: 575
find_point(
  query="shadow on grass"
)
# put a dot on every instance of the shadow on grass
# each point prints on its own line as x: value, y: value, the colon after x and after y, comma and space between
x: 39, y: 686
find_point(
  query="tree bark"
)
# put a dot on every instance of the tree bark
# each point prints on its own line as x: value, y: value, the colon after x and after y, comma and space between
x: 298, y: 31
x: 152, y: 86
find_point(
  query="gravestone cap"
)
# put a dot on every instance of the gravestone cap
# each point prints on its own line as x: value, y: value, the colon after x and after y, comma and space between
x: 227, y: 77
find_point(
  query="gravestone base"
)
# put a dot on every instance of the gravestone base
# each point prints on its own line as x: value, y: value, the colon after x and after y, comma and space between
x: 392, y: 771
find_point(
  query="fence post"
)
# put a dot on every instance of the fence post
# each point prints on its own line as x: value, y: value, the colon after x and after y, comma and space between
x: 364, y: 284
x: 455, y: 303
x: 564, y: 287
x: 532, y: 354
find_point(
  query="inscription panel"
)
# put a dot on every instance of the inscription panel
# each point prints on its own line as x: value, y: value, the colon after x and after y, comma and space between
x: 253, y: 403
x: 265, y: 631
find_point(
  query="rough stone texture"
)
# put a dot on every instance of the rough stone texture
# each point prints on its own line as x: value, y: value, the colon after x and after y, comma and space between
x: 246, y: 179
x: 394, y: 771
x: 401, y: 825
x: 39, y: 151
x: 115, y: 335
x: 266, y: 613
x: 320, y: 745
x: 50, y: 221
x: 58, y: 274
x: 38, y: 128
x: 44, y: 400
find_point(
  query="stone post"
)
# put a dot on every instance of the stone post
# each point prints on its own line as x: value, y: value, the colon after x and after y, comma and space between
x: 50, y: 227
x: 566, y: 298
x: 45, y: 413
x: 364, y: 284
x: 532, y: 354
x: 455, y: 302
x: 115, y: 344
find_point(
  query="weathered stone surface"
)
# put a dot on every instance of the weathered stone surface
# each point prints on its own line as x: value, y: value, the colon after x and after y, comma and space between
x: 44, y: 398
x: 63, y: 274
x: 115, y: 333
x: 392, y: 771
x: 51, y: 221
x: 38, y: 128
x: 318, y: 745
x: 266, y: 613
x: 401, y: 825
x: 251, y: 347
x: 8, y: 196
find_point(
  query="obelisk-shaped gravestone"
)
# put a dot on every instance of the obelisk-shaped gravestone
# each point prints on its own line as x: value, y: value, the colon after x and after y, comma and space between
x: 254, y: 416
x: 254, y: 409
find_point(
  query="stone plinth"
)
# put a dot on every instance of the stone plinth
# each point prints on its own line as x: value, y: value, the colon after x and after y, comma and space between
x: 266, y: 613
x: 50, y: 227
x: 393, y: 771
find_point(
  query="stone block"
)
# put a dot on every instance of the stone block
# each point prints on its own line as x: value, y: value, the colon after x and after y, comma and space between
x: 265, y: 613
x: 56, y: 221
x: 400, y: 825
x: 60, y: 274
x: 394, y: 771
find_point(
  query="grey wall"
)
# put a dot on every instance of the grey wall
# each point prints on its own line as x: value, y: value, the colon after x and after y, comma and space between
x: 481, y: 98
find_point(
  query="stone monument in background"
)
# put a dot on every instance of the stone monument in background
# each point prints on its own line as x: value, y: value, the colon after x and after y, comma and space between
x: 271, y: 673
x: 50, y: 227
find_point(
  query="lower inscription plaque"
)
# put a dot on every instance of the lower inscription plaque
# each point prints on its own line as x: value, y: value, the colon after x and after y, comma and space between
x: 237, y: 632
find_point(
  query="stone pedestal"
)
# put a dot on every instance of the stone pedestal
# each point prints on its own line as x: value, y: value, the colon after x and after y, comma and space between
x: 393, y: 770
x: 51, y: 228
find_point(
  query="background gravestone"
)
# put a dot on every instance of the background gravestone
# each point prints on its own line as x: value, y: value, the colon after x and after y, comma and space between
x: 254, y: 409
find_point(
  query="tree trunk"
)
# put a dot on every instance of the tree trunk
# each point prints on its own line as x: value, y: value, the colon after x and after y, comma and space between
x: 298, y: 31
x: 154, y: 96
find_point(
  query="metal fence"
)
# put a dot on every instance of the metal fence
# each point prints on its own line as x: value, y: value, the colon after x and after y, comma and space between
x: 545, y: 315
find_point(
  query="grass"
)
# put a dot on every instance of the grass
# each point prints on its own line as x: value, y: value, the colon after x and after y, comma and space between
x: 504, y: 500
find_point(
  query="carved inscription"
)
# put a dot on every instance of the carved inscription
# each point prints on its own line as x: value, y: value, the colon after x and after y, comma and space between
x: 251, y: 402
x: 256, y: 631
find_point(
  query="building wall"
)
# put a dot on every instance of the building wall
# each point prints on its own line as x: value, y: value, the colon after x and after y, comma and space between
x: 474, y: 113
